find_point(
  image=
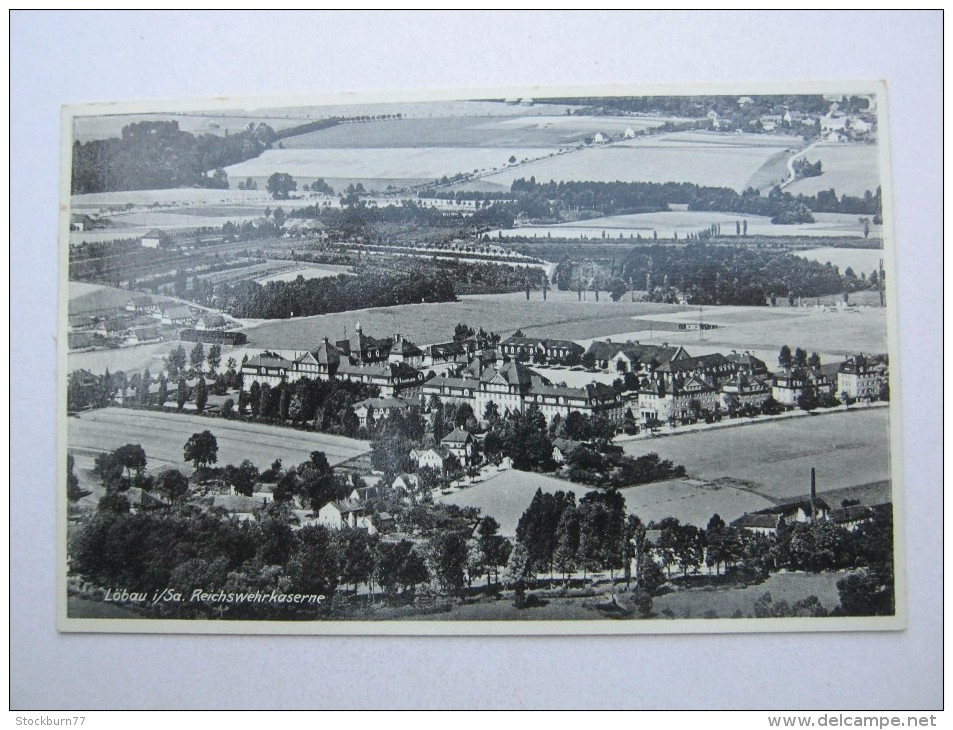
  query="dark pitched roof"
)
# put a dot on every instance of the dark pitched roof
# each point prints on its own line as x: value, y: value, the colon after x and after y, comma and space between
x: 715, y: 359
x: 267, y: 359
x: 567, y: 445
x: 440, y: 381
x: 457, y: 436
x: 756, y: 520
x: 405, y: 348
x: 325, y: 354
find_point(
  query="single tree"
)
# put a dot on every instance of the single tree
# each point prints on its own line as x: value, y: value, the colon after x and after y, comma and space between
x: 201, y: 449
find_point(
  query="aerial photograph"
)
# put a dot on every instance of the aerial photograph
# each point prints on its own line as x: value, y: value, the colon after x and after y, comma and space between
x: 616, y: 361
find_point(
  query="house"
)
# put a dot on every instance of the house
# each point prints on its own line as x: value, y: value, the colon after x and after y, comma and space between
x: 361, y: 349
x: 116, y: 327
x: 435, y: 458
x: 531, y: 348
x: 391, y: 378
x: 406, y: 482
x: 747, y: 363
x: 143, y: 335
x: 81, y: 222
x: 744, y: 390
x: 761, y: 523
x: 319, y: 364
x: 862, y: 377
x: 636, y: 357
x: 787, y: 386
x: 713, y: 368
x: 176, y: 314
x: 562, y: 448
x: 444, y: 353
x: 142, y: 304
x: 268, y: 367
x: 451, y: 389
x: 238, y: 505
x: 851, y: 515
x: 459, y: 442
x: 689, y: 398
x: 592, y: 399
x: 154, y: 239
x: 362, y: 494
x: 211, y: 321
x: 345, y: 513
x: 405, y: 351
x: 372, y: 410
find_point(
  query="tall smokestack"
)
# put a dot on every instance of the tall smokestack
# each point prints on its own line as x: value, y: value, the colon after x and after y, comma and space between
x: 813, y: 493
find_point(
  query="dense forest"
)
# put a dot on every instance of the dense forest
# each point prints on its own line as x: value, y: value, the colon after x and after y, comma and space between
x: 155, y: 155
x: 709, y: 274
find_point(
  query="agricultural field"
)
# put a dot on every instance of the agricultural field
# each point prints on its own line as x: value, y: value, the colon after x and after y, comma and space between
x: 763, y: 330
x: 704, y: 158
x: 850, y: 169
x: 518, y: 130
x: 560, y: 317
x: 833, y: 334
x: 392, y: 163
x: 682, y: 222
x: 846, y: 448
x: 163, y: 436
x: 774, y: 458
x: 91, y: 298
x: 128, y: 359
x: 505, y: 497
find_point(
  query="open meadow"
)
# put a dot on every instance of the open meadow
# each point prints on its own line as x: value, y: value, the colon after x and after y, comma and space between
x: 850, y: 169
x: 774, y: 458
x: 391, y: 163
x: 518, y: 130
x: 833, y: 333
x: 163, y: 436
x: 724, y: 160
x: 560, y: 316
x: 731, y: 471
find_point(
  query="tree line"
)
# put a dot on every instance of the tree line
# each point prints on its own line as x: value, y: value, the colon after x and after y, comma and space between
x: 621, y: 198
x: 154, y: 155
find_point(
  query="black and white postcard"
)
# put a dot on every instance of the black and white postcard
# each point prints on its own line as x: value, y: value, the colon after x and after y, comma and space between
x: 587, y: 360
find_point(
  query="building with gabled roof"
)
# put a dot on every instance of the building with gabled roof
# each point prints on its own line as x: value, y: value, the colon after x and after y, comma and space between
x: 372, y: 410
x: 154, y: 239
x: 176, y: 314
x: 141, y: 304
x: 433, y: 457
x: 319, y: 364
x: 362, y: 349
x: 404, y: 351
x: 460, y: 443
x: 343, y: 513
x: 862, y: 377
x: 268, y: 367
x: 390, y: 378
x: 528, y: 348
x: 562, y: 448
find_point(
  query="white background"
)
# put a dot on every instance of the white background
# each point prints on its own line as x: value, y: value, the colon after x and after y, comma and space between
x: 59, y: 58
